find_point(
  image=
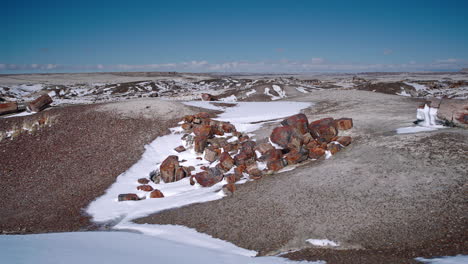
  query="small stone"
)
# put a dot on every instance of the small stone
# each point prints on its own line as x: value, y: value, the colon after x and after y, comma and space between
x: 143, y: 181
x: 128, y: 197
x: 344, y: 123
x: 156, y: 194
x: 180, y: 149
x: 146, y: 188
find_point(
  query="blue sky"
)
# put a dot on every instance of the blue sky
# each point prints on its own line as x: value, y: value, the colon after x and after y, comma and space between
x: 233, y: 36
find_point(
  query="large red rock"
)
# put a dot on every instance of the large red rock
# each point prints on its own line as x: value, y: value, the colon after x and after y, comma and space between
x: 146, y: 188
x: 203, y: 115
x: 272, y: 155
x: 188, y: 118
x: 212, y: 154
x: 285, y: 135
x: 344, y: 123
x: 231, y: 178
x: 156, y: 194
x: 228, y: 127
x: 199, y: 144
x: 325, y: 132
x: 202, y: 131
x: 316, y: 153
x: 253, y: 170
x: 297, y: 156
x: 323, y: 121
x: 276, y: 165
x: 186, y: 126
x: 226, y: 162
x: 344, y: 140
x: 243, y: 157
x: 239, y: 170
x: 128, y: 197
x: 264, y: 148
x: 40, y: 103
x: 209, y: 178
x: 180, y: 173
x: 168, y: 168
x: 299, y: 121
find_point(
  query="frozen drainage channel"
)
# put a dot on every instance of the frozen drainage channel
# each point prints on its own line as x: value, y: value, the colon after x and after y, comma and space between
x: 246, y: 117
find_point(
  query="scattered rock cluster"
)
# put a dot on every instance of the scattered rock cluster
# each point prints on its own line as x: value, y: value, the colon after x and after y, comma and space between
x: 233, y: 155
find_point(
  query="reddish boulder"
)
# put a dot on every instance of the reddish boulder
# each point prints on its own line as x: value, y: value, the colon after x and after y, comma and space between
x: 199, y: 144
x: 282, y: 136
x: 272, y: 155
x: 228, y: 127
x: 244, y: 138
x: 209, y: 178
x: 299, y: 121
x: 146, y: 188
x: 212, y: 154
x: 264, y: 148
x: 239, y: 170
x: 156, y: 194
x: 323, y: 121
x: 186, y: 126
x: 307, y: 138
x: 180, y: 174
x: 231, y: 178
x: 344, y: 123
x: 226, y: 162
x: 276, y: 165
x: 344, y: 140
x: 180, y: 149
x: 188, y: 118
x: 143, y: 181
x: 229, y: 147
x: 297, y: 156
x: 168, y: 168
x: 128, y: 197
x: 243, y: 157
x: 253, y: 170
x: 323, y: 132
x: 316, y: 153
x: 202, y: 131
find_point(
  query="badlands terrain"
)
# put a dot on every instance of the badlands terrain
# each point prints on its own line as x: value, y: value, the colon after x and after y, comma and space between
x: 396, y: 194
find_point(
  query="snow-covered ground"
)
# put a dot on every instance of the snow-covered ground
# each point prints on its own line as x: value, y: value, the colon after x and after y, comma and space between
x: 124, y: 247
x: 247, y: 117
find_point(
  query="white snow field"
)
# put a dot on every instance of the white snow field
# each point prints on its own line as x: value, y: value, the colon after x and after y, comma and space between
x: 322, y: 242
x: 459, y: 259
x: 121, y: 247
x: 247, y: 117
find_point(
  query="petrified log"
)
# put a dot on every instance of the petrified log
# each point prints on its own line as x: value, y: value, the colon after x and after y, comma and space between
x: 40, y: 103
x: 8, y: 108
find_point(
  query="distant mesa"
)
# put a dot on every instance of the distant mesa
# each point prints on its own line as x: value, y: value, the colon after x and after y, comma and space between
x: 464, y: 70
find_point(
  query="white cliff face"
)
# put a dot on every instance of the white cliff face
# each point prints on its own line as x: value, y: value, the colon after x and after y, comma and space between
x: 428, y: 116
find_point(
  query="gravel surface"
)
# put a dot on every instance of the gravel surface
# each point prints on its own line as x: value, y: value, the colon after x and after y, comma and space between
x: 48, y: 177
x: 385, y: 193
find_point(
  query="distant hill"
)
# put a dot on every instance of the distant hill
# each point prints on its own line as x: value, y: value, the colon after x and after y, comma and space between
x: 464, y: 70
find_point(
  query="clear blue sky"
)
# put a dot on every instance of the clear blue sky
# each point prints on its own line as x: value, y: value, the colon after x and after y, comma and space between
x: 294, y: 35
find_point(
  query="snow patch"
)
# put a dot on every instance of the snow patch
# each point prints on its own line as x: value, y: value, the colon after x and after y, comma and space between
x: 459, y: 259
x: 322, y: 242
